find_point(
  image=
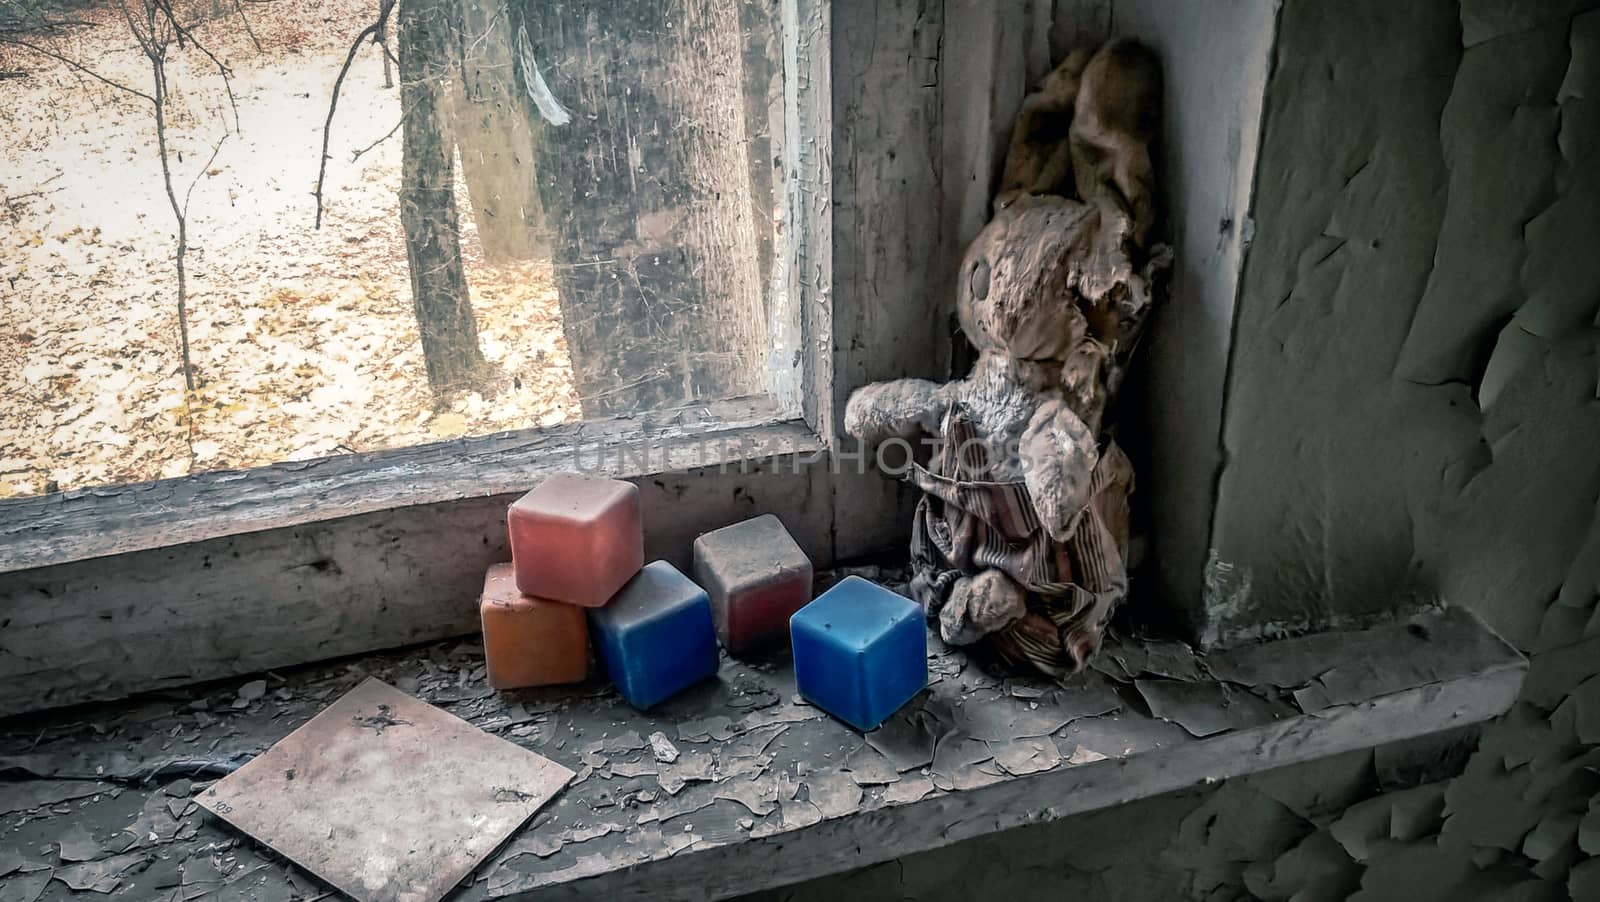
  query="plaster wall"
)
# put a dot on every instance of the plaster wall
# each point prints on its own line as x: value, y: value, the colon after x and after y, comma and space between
x: 1411, y: 413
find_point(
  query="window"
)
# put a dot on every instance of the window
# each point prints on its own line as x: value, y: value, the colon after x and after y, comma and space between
x: 241, y: 234
x: 358, y: 546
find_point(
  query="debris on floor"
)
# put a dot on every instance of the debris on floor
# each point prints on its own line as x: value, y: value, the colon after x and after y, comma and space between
x: 753, y: 760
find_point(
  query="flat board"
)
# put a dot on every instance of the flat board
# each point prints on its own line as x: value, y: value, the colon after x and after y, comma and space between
x: 386, y: 797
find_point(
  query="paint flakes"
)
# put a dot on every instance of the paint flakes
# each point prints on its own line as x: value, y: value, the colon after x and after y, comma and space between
x: 622, y: 743
x: 798, y: 813
x: 629, y: 769
x: 542, y: 846
x: 102, y: 876
x: 789, y: 712
x: 717, y: 727
x: 1002, y: 719
x: 755, y: 742
x: 909, y: 738
x: 834, y: 794
x: 77, y: 845
x: 760, y: 797
x: 1081, y: 755
x: 911, y: 788
x: 678, y: 842
x: 868, y: 767
x: 691, y: 767
x: 663, y: 749
x: 1125, y: 659
x: 682, y: 805
x: 1022, y: 757
x: 584, y: 834
x: 1205, y: 708
x: 957, y: 764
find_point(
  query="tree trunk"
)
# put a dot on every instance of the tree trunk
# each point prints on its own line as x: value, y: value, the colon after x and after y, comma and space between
x: 382, y: 37
x: 495, y: 138
x: 427, y: 200
x: 649, y: 195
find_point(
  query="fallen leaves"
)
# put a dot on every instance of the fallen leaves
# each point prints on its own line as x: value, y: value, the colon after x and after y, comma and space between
x: 304, y: 342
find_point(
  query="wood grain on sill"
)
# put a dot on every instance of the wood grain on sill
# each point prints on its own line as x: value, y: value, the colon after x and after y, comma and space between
x: 62, y: 527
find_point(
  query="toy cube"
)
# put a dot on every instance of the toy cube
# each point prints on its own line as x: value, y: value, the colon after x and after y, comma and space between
x: 860, y: 652
x: 576, y: 538
x: 757, y: 578
x: 655, y: 636
x: 529, y: 641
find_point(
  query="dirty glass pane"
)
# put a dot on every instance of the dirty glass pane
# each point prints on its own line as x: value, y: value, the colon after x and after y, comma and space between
x: 525, y: 214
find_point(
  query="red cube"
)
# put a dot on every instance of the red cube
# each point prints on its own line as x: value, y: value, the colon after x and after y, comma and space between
x: 576, y: 538
x: 757, y: 577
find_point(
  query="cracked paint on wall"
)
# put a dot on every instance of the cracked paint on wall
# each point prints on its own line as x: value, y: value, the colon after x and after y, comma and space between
x: 1411, y: 411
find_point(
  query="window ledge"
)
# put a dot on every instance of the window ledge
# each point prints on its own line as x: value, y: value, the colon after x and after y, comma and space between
x: 84, y: 524
x: 769, y: 792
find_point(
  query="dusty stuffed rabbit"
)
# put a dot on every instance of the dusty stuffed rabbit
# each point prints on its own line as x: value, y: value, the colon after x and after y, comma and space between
x: 1021, y: 537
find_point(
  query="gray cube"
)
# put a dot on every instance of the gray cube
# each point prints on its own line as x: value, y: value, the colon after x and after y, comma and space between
x: 757, y: 577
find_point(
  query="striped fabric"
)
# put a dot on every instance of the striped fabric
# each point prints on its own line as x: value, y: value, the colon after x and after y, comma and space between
x: 965, y: 525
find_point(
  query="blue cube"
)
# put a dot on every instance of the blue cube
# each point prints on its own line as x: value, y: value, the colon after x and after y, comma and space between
x: 655, y: 635
x: 860, y: 652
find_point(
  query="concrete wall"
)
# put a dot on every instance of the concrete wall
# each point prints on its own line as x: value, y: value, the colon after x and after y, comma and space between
x: 1413, y: 412
x: 1412, y: 408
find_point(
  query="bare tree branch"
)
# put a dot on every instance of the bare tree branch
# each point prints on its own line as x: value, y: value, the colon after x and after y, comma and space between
x: 158, y: 30
x: 215, y: 149
x: 358, y: 154
x: 333, y: 101
x: 183, y: 33
x: 239, y: 8
x: 43, y: 26
x: 382, y: 40
x: 73, y: 64
x: 154, y: 28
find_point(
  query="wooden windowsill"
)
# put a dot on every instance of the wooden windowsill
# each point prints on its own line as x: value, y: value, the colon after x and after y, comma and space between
x: 84, y: 524
x: 769, y: 791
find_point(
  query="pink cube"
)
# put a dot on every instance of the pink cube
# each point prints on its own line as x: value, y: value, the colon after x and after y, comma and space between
x: 757, y: 577
x: 576, y: 538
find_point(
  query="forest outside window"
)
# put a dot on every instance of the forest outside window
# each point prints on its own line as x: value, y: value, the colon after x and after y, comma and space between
x: 244, y: 233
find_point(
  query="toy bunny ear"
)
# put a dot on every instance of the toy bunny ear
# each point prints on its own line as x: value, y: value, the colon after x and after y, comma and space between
x: 1114, y: 120
x: 1039, y: 160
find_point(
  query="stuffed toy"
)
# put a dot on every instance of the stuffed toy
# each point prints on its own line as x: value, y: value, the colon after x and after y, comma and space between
x: 1020, y: 543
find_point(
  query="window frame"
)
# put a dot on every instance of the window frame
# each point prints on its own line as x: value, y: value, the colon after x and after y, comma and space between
x: 111, y: 590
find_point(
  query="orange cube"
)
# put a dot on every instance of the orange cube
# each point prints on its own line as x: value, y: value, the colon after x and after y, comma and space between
x: 530, y: 641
